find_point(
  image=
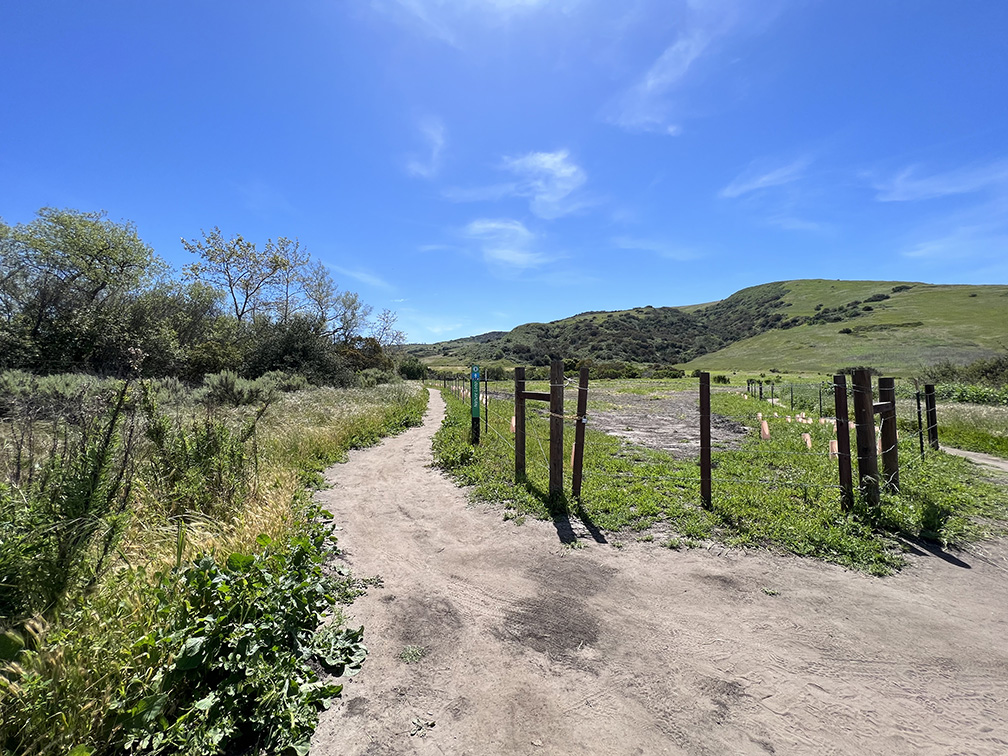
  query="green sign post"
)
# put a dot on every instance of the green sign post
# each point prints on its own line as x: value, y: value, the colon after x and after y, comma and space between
x: 474, y: 388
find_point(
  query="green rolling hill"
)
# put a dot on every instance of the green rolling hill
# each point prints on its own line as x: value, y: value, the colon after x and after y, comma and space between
x: 794, y: 326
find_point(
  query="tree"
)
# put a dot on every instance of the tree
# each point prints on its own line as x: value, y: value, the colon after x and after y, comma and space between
x: 67, y: 279
x: 351, y: 317
x: 321, y: 293
x: 383, y: 330
x: 235, y: 267
x: 290, y: 276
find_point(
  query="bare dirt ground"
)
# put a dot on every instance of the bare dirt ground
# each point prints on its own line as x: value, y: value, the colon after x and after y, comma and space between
x: 667, y: 422
x: 532, y: 647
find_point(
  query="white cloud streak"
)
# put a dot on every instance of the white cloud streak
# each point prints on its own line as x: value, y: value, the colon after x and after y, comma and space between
x: 433, y: 132
x: 761, y: 175
x: 548, y: 179
x: 505, y: 243
x: 362, y: 276
x: 908, y: 187
x: 645, y: 106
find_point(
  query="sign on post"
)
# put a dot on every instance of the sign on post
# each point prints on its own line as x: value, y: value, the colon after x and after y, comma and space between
x: 474, y: 398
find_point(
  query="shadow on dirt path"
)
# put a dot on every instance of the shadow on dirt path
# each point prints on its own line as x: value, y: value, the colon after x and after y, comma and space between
x: 491, y: 638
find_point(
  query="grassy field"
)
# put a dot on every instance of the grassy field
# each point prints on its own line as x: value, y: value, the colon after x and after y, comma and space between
x: 187, y: 621
x: 920, y: 326
x: 772, y: 494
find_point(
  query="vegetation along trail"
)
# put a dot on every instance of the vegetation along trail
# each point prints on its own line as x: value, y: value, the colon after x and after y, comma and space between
x: 488, y: 637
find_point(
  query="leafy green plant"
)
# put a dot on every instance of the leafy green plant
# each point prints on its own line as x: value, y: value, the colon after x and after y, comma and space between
x: 228, y: 666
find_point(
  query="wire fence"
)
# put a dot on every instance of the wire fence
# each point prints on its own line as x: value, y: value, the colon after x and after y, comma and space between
x: 789, y: 441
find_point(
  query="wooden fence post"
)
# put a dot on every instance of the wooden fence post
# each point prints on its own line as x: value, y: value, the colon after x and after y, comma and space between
x: 579, y: 432
x: 864, y: 422
x: 556, y: 429
x: 931, y: 413
x: 843, y: 442
x: 890, y: 441
x: 519, y: 424
x: 705, y: 441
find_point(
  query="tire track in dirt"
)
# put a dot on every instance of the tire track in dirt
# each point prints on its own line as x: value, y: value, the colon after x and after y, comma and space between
x: 532, y: 647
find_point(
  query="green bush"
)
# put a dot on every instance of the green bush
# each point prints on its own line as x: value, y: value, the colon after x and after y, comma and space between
x: 230, y: 664
x: 412, y: 369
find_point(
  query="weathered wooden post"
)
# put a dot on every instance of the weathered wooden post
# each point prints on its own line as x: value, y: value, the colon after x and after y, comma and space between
x: 705, y: 441
x: 556, y: 400
x: 519, y: 424
x: 579, y: 432
x: 474, y: 403
x: 890, y: 442
x: 920, y: 427
x: 843, y: 442
x: 931, y: 413
x: 864, y: 422
x: 792, y: 398
x: 486, y: 402
x: 761, y: 391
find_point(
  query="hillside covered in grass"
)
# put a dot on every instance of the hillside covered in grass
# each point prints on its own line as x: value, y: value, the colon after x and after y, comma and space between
x: 811, y: 325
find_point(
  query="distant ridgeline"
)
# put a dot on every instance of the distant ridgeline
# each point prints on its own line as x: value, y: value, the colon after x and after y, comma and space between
x: 675, y: 335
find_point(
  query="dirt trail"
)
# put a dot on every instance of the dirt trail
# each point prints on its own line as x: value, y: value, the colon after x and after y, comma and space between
x: 979, y: 458
x: 536, y: 648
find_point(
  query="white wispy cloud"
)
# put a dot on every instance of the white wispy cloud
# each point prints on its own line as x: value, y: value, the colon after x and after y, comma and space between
x: 445, y: 20
x: 760, y: 174
x: 551, y: 181
x: 656, y: 100
x: 505, y: 243
x: 645, y: 105
x: 658, y: 247
x: 909, y: 186
x: 362, y: 276
x: 548, y: 179
x: 433, y: 131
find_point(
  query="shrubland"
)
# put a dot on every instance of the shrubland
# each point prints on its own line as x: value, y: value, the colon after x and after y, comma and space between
x: 165, y: 578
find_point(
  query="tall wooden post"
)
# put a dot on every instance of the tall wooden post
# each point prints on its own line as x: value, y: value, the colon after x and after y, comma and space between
x: 556, y: 429
x: 519, y: 424
x: 705, y: 440
x: 931, y: 413
x: 843, y: 442
x: 890, y: 441
x: 864, y: 422
x: 579, y: 432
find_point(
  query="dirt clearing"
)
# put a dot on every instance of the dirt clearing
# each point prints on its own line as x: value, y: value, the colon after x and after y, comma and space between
x: 486, y: 637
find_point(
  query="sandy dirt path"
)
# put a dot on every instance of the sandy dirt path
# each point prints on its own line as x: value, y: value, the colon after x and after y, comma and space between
x: 533, y: 647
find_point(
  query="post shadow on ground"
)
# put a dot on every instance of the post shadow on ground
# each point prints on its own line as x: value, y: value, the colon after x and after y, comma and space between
x: 560, y: 511
x: 921, y: 547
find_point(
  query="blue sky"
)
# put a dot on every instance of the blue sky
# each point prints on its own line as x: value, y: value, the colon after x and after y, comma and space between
x: 475, y: 165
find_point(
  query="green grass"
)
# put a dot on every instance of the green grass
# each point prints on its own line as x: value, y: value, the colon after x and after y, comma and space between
x: 974, y: 427
x: 89, y: 672
x: 767, y: 494
x: 954, y: 326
